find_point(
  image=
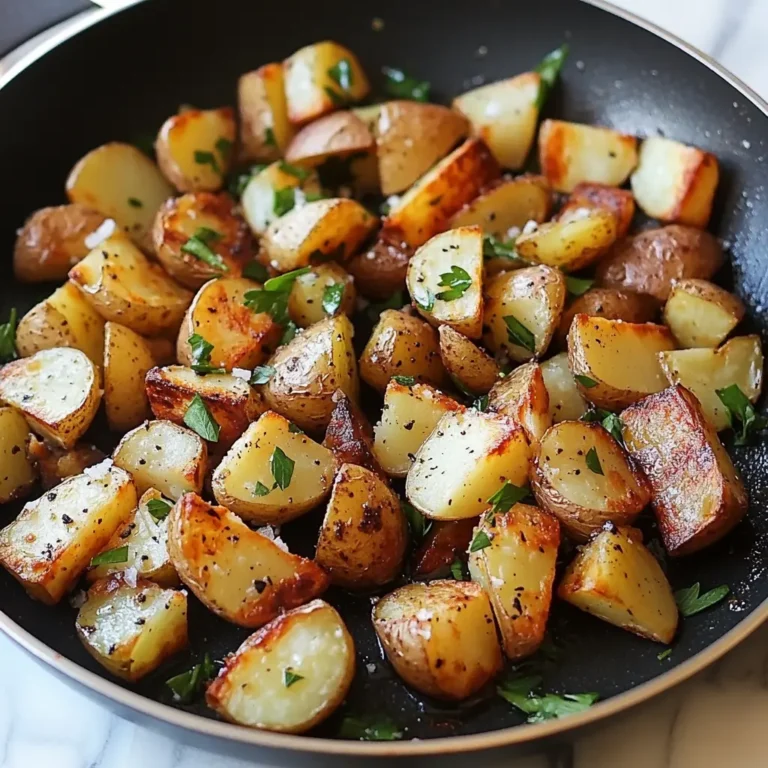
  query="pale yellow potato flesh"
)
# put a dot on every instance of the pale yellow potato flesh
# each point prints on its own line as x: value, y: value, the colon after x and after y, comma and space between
x: 17, y: 471
x: 523, y: 397
x: 306, y: 303
x: 565, y: 400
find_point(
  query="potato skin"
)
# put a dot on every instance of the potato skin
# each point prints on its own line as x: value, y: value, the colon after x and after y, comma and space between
x: 603, y: 197
x: 523, y: 397
x: 446, y: 540
x: 349, y: 435
x: 305, y: 303
x: 380, y: 270
x: 338, y: 134
x: 475, y: 369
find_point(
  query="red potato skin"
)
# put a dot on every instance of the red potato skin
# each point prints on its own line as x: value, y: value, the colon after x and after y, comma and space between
x: 446, y: 540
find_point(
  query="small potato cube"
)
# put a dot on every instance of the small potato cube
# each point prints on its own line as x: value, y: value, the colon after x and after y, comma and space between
x: 349, y: 436
x: 565, y: 400
x: 464, y: 462
x: 522, y: 396
x: 675, y: 182
x: 314, y: 294
x: 571, y: 153
x: 517, y: 570
x: 17, y: 470
x: 603, y: 197
x: 162, y: 455
x: 697, y: 493
x: 132, y: 629
x: 54, y: 538
x: 290, y: 675
x: 474, y: 369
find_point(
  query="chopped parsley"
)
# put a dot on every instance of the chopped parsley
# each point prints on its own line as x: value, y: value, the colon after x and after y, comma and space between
x: 333, y: 295
x: 459, y: 569
x: 518, y: 334
x: 8, y: 338
x: 585, y: 381
x: 158, y: 508
x: 370, y: 729
x: 690, y: 602
x: 134, y: 202
x: 285, y: 201
x: 254, y: 270
x: 260, y: 489
x: 481, y: 403
x: 520, y: 693
x: 741, y: 410
x: 341, y: 74
x: 493, y: 248
x: 506, y: 497
x: 424, y: 298
x: 198, y: 246
x: 480, y: 540
x: 417, y: 523
x: 261, y: 374
x: 578, y: 286
x: 188, y: 684
x: 401, y: 86
x: 593, y: 461
x: 290, y: 677
x: 664, y: 654
x: 111, y: 556
x: 302, y: 174
x: 610, y: 421
x: 272, y: 298
x: 405, y: 381
x: 281, y: 467
x: 202, y: 157
x: 201, y: 355
x: 457, y: 281
x: 224, y: 146
x: 549, y: 70
x: 269, y: 137
x: 198, y: 418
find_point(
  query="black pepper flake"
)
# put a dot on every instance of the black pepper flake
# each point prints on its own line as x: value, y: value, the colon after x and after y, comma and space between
x: 66, y: 519
x: 259, y: 585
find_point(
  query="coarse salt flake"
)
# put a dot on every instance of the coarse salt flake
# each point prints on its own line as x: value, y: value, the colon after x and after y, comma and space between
x: 530, y: 226
x: 99, y: 470
x: 106, y: 229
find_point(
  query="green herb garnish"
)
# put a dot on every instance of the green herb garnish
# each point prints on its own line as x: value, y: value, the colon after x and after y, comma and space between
x: 610, y: 422
x: 369, y: 729
x: 578, y: 286
x: 518, y: 334
x: 198, y: 418
x: 198, y: 246
x: 254, y: 270
x: 405, y: 381
x: 481, y: 540
x: 549, y: 70
x: 261, y: 374
x: 285, y: 201
x: 481, y: 404
x: 418, y: 524
x: 111, y: 556
x: 493, y: 248
x: 402, y: 86
x: 8, y: 338
x: 272, y: 298
x: 239, y: 181
x: 302, y: 174
x: 290, y: 677
x: 203, y: 157
x: 424, y: 298
x: 281, y: 467
x: 201, y: 355
x: 459, y: 569
x: 260, y: 489
x: 158, y: 508
x: 294, y: 429
x: 224, y: 146
x: 547, y: 706
x: 593, y: 461
x: 341, y: 74
x: 585, y: 381
x: 134, y: 202
x: 186, y: 685
x: 269, y: 137
x: 457, y: 281
x: 333, y: 295
x: 664, y: 654
x: 506, y: 497
x: 690, y: 602
x: 741, y: 410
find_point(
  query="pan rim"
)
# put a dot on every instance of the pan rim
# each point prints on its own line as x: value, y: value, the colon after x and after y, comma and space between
x: 153, y: 710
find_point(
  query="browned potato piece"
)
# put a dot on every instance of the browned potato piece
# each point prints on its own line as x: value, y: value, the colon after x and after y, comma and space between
x: 339, y: 134
x: 440, y: 637
x: 697, y: 493
x: 18, y: 470
x: 380, y: 270
x: 196, y: 215
x: 651, y: 261
x: 565, y: 400
x: 364, y: 533
x: 56, y: 464
x: 675, y: 182
x: 615, y: 363
x: 163, y: 350
x: 603, y: 197
x: 465, y: 362
x: 446, y: 540
x: 523, y: 397
x: 349, y: 436
x: 312, y: 296
x: 566, y: 484
x: 52, y: 241
x: 401, y: 345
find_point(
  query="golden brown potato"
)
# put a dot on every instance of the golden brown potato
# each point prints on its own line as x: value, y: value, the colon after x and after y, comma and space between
x: 313, y: 296
x: 380, y: 271
x: 52, y: 241
x: 615, y: 578
x: 651, y: 261
x: 401, y: 345
x: 445, y: 541
x: 440, y: 637
x: 56, y: 464
x: 473, y: 368
x: 565, y: 400
x: 239, y: 574
x: 339, y: 134
x: 697, y: 493
x: 18, y: 472
x: 675, y: 182
x: 349, y: 435
x: 290, y: 675
x: 602, y: 197
x: 517, y: 570
x: 614, y: 363
x: 522, y: 396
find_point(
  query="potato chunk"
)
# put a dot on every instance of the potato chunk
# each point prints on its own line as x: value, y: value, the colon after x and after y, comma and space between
x: 58, y: 391
x: 466, y: 363
x: 239, y: 574
x: 615, y: 578
x: 131, y: 630
x: 380, y: 270
x: 54, y: 538
x: 162, y: 455
x: 697, y: 493
x: 602, y: 197
x: 616, y: 363
x: 523, y: 397
x: 251, y: 479
x: 465, y: 461
x: 349, y: 436
x: 565, y: 400
x: 445, y: 541
x: 313, y: 296
x: 56, y: 464
x: 440, y: 637
x: 290, y: 675
x: 517, y: 570
x: 582, y: 476
x: 17, y: 471
x: 339, y: 135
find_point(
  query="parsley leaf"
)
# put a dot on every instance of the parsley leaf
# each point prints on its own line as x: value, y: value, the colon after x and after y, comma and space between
x: 197, y: 246
x: 741, y: 410
x: 578, y: 286
x: 254, y: 270
x: 610, y: 421
x: 664, y: 654
x: 111, y: 556
x: 506, y: 497
x: 281, y: 467
x: 493, y: 248
x: 457, y: 280
x: 341, y: 74
x: 8, y: 338
x: 290, y: 677
x: 158, y: 508
x: 333, y: 295
x: 418, y: 524
x: 260, y: 489
x: 518, y: 334
x: 424, y: 298
x: 294, y: 429
x: 370, y: 729
x: 239, y: 181
x: 134, y: 202
x: 224, y: 145
x: 481, y: 540
x: 289, y: 333
x: 549, y: 70
x: 203, y: 157
x: 585, y: 381
x: 481, y: 404
x: 261, y: 374
x: 405, y: 381
x: 272, y: 298
x: 285, y: 200
x: 269, y: 137
x: 201, y: 355
x: 459, y: 569
x: 186, y: 685
x: 593, y: 461
x: 402, y: 86
x: 302, y: 174
x: 198, y: 418
x: 690, y: 602
x: 520, y: 693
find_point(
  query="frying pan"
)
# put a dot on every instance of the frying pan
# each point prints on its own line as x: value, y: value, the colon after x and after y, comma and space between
x: 122, y: 77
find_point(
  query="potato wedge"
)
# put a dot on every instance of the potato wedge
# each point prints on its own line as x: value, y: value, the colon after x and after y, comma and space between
x: 465, y: 362
x: 64, y: 319
x: 313, y: 294
x: 697, y: 493
x: 120, y: 182
x: 602, y: 197
x: 565, y: 400
x: 675, y: 182
x: 252, y: 481
x: 52, y: 241
x: 349, y: 436
x: 337, y: 135
x: 652, y: 261
x: 311, y: 647
x: 58, y: 392
x: 464, y: 461
x: 439, y: 194
x: 54, y: 538
x: 401, y: 345
x: 517, y: 570
x: 380, y: 271
x: 523, y: 397
x: 57, y: 464
x: 572, y: 153
x: 130, y: 629
x: 439, y: 637
x: 704, y: 371
x: 239, y: 574
x: 504, y: 115
x: 596, y: 582
x: 162, y: 455
x: 18, y: 473
x: 534, y: 298
x: 309, y: 369
x: 445, y: 541
x: 614, y: 363
x: 566, y: 483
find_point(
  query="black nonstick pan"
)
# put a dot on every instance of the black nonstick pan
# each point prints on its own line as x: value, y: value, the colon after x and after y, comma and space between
x: 120, y: 78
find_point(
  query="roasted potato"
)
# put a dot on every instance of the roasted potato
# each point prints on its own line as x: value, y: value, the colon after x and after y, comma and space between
x: 571, y: 153
x: 697, y: 493
x: 163, y: 350
x: 651, y: 261
x: 401, y: 345
x: 162, y: 455
x: 616, y: 363
x: 452, y: 260
x: 273, y: 473
x: 466, y: 363
x: 64, y: 319
x: 704, y: 371
x: 132, y: 628
x: 445, y: 541
x: 504, y: 115
x: 313, y: 297
x: 531, y: 301
x: 58, y: 392
x: 54, y: 538
x: 309, y: 369
x: 18, y: 473
x: 517, y: 570
x: 440, y: 637
x: 56, y: 464
x: 523, y: 397
x: 615, y: 578
x: 239, y: 574
x: 602, y: 197
x: 337, y: 135
x: 380, y: 270
x: 565, y: 400
x: 464, y: 461
x: 349, y: 436
x: 675, y: 182
x: 52, y: 241
x: 290, y: 675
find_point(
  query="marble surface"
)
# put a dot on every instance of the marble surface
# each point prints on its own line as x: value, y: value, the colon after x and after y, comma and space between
x: 716, y: 720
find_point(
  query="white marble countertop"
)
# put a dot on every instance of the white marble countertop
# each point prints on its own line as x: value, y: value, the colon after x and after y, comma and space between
x: 716, y: 720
